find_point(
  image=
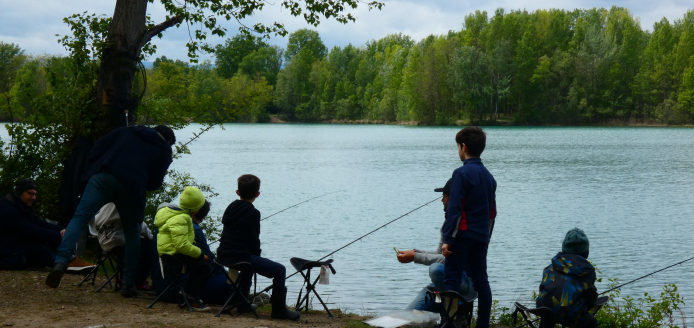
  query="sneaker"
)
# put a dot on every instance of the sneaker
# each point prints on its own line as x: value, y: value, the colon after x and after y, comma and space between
x: 144, y: 287
x: 78, y: 265
x: 198, y: 306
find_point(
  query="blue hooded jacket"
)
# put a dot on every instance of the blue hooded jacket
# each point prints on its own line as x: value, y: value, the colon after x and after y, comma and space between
x: 136, y: 156
x: 472, y: 203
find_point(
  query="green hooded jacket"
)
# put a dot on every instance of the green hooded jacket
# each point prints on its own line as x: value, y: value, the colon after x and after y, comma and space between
x: 176, y: 234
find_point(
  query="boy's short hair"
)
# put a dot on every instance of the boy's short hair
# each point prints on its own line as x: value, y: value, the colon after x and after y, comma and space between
x: 248, y: 185
x: 474, y: 138
x: 203, y: 211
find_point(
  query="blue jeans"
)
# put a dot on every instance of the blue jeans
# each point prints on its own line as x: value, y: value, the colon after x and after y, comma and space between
x: 437, y: 273
x: 473, y: 255
x: 102, y: 189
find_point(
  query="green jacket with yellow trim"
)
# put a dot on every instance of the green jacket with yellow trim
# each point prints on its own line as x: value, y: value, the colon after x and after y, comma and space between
x: 176, y: 233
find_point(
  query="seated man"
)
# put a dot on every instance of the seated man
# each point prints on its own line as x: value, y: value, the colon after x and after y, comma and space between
x: 176, y: 237
x: 108, y: 228
x: 568, y: 284
x: 435, y: 261
x: 25, y: 239
x: 240, y: 242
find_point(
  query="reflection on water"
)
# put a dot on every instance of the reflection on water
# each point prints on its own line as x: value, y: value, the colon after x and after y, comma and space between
x: 630, y: 189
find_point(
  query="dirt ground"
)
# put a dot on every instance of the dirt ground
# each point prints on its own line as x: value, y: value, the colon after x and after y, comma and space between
x: 26, y: 301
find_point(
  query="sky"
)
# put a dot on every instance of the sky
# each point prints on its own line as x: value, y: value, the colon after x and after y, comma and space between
x: 33, y: 24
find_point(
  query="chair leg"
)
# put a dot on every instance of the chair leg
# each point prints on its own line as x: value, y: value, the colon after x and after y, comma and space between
x: 161, y: 295
x: 185, y: 297
x: 226, y: 303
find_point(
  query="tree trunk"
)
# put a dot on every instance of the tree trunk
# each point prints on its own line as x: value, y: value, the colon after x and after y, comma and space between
x: 119, y: 63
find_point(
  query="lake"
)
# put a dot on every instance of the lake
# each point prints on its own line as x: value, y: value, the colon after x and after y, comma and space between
x: 630, y: 189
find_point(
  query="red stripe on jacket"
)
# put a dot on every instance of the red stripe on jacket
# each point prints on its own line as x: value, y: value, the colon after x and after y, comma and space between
x: 463, y: 219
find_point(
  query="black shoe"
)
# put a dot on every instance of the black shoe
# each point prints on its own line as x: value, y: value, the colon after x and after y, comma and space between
x: 279, y: 306
x: 129, y: 290
x: 243, y: 308
x: 56, y: 274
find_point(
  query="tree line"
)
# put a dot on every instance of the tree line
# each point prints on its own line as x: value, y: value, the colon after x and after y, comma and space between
x: 586, y: 66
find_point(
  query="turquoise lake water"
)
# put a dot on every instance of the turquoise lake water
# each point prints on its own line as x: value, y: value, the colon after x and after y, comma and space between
x: 630, y: 189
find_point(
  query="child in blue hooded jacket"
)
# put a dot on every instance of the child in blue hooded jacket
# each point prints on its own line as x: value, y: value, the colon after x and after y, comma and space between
x: 568, y: 284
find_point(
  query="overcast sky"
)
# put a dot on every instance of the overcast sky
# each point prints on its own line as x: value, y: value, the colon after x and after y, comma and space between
x: 33, y: 23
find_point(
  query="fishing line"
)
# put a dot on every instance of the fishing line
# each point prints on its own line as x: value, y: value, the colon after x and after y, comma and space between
x: 358, y: 239
x: 297, y: 204
x: 626, y: 283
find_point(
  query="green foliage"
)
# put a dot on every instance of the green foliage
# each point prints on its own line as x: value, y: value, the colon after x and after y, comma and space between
x: 305, y: 39
x: 230, y: 55
x: 589, y: 66
x: 642, y: 312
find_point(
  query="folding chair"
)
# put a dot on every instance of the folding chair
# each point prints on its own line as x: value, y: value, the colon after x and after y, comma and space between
x: 457, y: 309
x: 100, y: 263
x: 236, y: 287
x: 546, y: 315
x: 169, y: 264
x: 117, y: 265
x: 300, y: 265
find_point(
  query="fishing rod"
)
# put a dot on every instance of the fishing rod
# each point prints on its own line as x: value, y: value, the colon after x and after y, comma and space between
x: 271, y: 215
x: 626, y: 283
x: 358, y: 239
x: 297, y: 204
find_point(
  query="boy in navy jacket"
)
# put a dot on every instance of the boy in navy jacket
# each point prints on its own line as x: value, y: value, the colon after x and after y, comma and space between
x: 470, y: 221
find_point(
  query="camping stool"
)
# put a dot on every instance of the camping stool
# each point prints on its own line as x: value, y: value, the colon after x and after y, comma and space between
x: 169, y: 264
x: 100, y: 263
x: 236, y: 286
x: 457, y: 308
x: 300, y: 265
x: 117, y: 274
x: 546, y: 315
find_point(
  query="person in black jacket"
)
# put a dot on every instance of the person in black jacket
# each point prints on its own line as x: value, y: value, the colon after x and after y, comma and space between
x: 121, y: 167
x: 240, y: 242
x: 25, y: 239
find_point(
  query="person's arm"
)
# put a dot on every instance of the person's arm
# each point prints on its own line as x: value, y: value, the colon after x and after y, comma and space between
x: 492, y: 220
x: 34, y: 231
x: 428, y: 258
x: 179, y: 236
x: 201, y: 241
x: 255, y: 231
x: 455, y: 210
x: 591, y: 291
x: 156, y: 177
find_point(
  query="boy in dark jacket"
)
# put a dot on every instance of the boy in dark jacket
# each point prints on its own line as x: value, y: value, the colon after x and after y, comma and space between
x: 568, y: 284
x: 121, y: 167
x: 240, y: 242
x: 470, y: 221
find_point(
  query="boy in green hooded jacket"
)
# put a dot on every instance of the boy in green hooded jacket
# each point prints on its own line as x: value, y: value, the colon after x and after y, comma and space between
x: 177, y: 237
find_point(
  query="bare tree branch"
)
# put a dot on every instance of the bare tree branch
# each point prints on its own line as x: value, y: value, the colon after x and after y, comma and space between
x: 158, y: 29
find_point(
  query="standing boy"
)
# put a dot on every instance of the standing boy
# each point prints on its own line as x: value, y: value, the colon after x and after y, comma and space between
x: 240, y: 242
x: 470, y: 220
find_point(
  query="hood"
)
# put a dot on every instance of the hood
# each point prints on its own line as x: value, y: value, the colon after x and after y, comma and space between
x: 165, y: 211
x: 236, y: 209
x: 192, y: 199
x: 572, y: 265
x: 150, y: 136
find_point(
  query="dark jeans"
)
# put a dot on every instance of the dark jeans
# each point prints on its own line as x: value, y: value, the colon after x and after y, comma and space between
x: 144, y: 266
x: 217, y: 290
x: 39, y: 256
x: 200, y: 271
x: 265, y: 268
x: 103, y: 188
x: 474, y: 254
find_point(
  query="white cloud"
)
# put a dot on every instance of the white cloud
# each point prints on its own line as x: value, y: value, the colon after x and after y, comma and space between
x: 33, y: 23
